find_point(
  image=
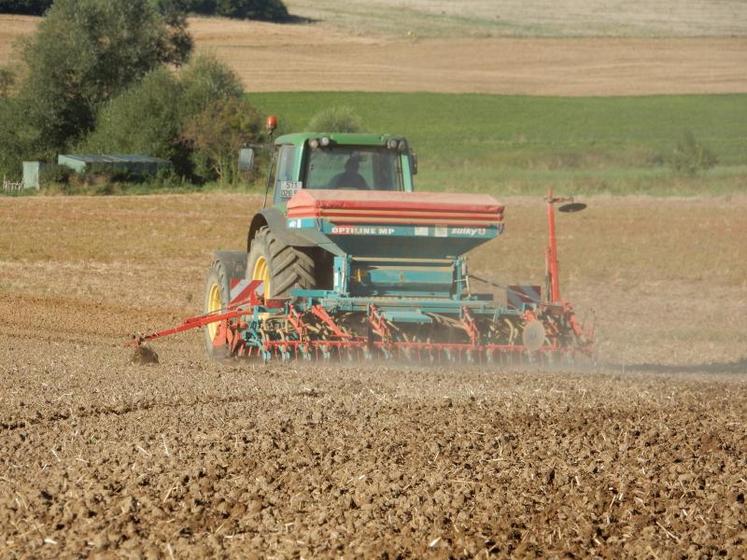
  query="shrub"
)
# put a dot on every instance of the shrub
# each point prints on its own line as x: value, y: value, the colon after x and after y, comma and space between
x: 165, y: 177
x: 242, y: 9
x: 336, y: 119
x: 7, y: 79
x: 84, y: 53
x: 218, y: 133
x: 151, y: 118
x: 691, y: 157
x: 15, y: 137
x: 206, y: 80
x: 54, y: 174
x: 145, y: 119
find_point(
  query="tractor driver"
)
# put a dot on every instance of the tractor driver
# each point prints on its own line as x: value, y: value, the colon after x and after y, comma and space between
x: 350, y: 178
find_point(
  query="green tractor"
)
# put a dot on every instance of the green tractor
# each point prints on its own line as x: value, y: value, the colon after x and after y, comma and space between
x: 345, y: 259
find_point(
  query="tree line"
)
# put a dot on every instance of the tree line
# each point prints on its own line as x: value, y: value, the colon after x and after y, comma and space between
x: 25, y: 7
x: 120, y: 77
x: 241, y: 9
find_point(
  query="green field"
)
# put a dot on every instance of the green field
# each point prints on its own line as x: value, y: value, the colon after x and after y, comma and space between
x: 520, y: 144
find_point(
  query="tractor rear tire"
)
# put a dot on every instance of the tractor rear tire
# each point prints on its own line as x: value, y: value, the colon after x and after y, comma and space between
x: 281, y: 267
x: 226, y: 265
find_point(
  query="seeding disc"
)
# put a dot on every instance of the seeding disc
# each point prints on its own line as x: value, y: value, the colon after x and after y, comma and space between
x: 572, y: 207
x: 533, y: 336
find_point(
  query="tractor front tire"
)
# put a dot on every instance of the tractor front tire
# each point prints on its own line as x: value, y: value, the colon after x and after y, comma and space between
x: 226, y: 265
x: 281, y: 267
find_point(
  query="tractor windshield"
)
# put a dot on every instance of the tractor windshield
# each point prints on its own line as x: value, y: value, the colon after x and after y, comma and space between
x: 354, y: 167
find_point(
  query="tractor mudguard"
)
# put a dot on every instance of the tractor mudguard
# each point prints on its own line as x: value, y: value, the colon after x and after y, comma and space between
x: 278, y: 224
x: 233, y: 262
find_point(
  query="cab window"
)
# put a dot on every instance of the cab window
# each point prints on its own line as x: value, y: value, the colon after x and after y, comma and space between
x: 353, y: 167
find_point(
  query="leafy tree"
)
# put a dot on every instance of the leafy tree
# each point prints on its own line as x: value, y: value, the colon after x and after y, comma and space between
x: 217, y: 134
x: 145, y: 119
x: 179, y: 42
x: 84, y: 53
x: 12, y: 130
x: 152, y: 115
x: 206, y: 80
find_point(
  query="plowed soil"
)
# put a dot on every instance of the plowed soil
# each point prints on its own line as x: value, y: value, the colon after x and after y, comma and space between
x: 642, y: 456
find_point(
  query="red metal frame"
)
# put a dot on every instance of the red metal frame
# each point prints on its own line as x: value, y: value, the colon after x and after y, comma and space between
x: 551, y: 253
x: 294, y: 318
x: 233, y: 311
x: 379, y: 324
x: 192, y: 323
x: 322, y: 314
x: 470, y: 326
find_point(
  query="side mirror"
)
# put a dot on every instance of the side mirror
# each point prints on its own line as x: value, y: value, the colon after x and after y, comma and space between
x: 246, y: 160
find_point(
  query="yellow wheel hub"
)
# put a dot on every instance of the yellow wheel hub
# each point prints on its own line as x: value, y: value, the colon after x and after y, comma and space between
x: 262, y: 272
x: 214, y: 305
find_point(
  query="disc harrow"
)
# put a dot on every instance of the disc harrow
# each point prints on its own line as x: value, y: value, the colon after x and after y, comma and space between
x: 288, y: 330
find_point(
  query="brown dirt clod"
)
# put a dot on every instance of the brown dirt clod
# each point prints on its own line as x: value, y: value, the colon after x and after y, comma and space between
x: 144, y: 355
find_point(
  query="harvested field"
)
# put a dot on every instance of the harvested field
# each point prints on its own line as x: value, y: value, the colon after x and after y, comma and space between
x: 527, y: 66
x: 326, y: 57
x: 642, y: 456
x: 546, y: 18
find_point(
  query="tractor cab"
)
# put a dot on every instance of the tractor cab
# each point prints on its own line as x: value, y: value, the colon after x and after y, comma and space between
x: 343, y: 220
x: 337, y: 161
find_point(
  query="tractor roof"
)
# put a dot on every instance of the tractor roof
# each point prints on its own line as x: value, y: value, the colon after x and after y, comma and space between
x: 354, y: 139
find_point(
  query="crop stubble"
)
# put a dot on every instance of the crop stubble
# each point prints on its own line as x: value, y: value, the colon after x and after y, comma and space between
x: 642, y: 456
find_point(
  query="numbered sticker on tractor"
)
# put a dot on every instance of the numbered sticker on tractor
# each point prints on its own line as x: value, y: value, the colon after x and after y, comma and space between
x: 289, y: 188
